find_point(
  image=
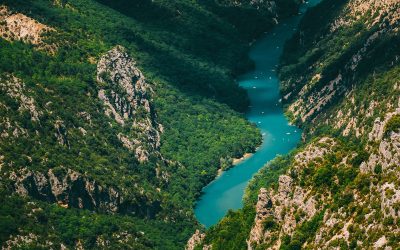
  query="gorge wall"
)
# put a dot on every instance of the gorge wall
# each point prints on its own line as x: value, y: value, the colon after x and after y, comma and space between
x: 114, y: 115
x: 340, y: 188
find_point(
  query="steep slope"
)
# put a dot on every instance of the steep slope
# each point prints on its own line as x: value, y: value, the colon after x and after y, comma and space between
x: 112, y: 120
x: 340, y: 189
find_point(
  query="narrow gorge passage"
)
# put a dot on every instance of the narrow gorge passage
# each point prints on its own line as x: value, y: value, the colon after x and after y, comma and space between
x: 262, y: 84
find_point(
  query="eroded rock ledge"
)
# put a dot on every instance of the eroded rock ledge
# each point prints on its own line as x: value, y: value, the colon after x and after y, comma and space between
x: 69, y: 188
x: 127, y: 99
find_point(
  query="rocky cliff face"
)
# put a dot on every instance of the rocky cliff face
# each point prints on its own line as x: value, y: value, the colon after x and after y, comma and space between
x: 14, y: 88
x: 17, y: 26
x: 127, y: 99
x: 80, y: 151
x: 340, y: 82
x: 278, y: 212
x: 196, y: 239
x: 335, y: 195
x: 69, y: 189
x: 319, y: 83
x: 307, y: 211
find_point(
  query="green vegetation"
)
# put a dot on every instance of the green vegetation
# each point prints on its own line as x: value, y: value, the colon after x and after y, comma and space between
x: 189, y: 51
x: 233, y: 230
x: 393, y: 125
x: 316, y: 50
x: 362, y: 52
x: 303, y: 233
x: 67, y: 226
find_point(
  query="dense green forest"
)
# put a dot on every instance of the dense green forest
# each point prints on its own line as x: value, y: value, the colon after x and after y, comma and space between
x: 188, y: 51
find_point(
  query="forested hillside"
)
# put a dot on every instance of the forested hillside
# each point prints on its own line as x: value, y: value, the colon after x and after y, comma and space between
x: 340, y: 189
x: 114, y: 115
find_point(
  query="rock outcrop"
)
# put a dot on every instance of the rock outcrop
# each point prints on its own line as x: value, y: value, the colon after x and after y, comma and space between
x: 15, y: 89
x: 17, y: 26
x: 196, y: 239
x: 68, y: 188
x: 349, y: 196
x: 388, y: 155
x: 278, y: 212
x: 127, y: 99
x: 312, y: 92
x: 19, y: 241
x: 264, y: 211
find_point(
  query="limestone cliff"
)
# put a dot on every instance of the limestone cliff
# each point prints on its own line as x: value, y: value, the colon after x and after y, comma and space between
x: 196, y: 239
x: 84, y: 160
x: 127, y: 99
x: 67, y: 188
x: 17, y: 26
x: 278, y: 212
x: 362, y: 214
x: 340, y: 188
x: 313, y: 90
x: 336, y: 194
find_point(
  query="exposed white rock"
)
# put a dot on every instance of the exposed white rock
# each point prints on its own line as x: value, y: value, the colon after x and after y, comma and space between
x: 351, y: 125
x: 379, y: 9
x: 19, y: 241
x: 309, y: 101
x: 86, y: 116
x: 83, y: 131
x: 69, y: 189
x: 16, y: 89
x: 390, y: 195
x: 387, y: 156
x: 17, y: 26
x: 127, y: 100
x: 280, y: 207
x: 290, y: 205
x: 263, y: 210
x: 313, y: 152
x: 11, y: 129
x: 61, y: 133
x: 109, y: 108
x: 305, y: 108
x: 379, y: 126
x: 196, y: 239
x: 381, y: 242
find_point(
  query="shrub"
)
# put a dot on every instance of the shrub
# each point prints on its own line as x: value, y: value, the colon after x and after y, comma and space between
x: 269, y: 223
x: 324, y: 176
x: 378, y: 169
x: 393, y: 125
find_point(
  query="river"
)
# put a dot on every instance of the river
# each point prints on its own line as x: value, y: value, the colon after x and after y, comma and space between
x: 262, y: 84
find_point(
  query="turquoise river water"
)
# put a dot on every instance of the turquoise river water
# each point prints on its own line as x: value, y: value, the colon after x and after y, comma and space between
x: 262, y: 84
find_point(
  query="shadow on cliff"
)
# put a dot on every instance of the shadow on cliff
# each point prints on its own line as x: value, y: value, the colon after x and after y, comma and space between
x: 189, y: 46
